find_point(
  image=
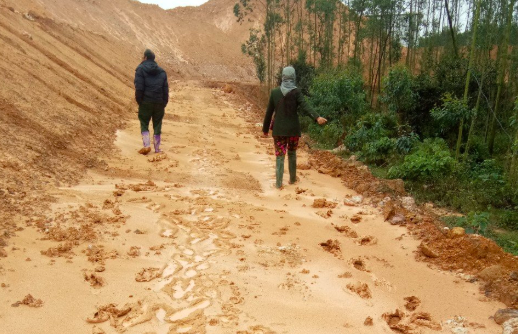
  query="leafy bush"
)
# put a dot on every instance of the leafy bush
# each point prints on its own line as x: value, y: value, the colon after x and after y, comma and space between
x: 397, y: 90
x: 406, y: 143
x: 431, y: 160
x: 449, y: 115
x: 378, y: 151
x: 327, y: 136
x: 371, y: 127
x: 305, y: 73
x: 474, y: 222
x: 335, y: 93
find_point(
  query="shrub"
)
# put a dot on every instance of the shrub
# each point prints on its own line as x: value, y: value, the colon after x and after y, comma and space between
x: 397, y: 90
x: 449, y: 115
x: 431, y: 160
x: 327, y: 136
x: 378, y: 151
x: 337, y: 92
x: 371, y: 127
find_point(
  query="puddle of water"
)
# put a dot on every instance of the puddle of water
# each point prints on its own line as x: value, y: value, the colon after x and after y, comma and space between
x: 186, y: 312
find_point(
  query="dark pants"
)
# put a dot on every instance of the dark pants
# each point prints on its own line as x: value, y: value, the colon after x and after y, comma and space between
x: 148, y: 111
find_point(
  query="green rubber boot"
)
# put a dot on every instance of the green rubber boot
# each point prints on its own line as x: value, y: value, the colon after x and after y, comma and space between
x: 292, y: 165
x: 279, y: 170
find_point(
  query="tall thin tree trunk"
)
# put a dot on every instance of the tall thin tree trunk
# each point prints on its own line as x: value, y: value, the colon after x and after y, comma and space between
x: 474, y: 28
x: 501, y: 75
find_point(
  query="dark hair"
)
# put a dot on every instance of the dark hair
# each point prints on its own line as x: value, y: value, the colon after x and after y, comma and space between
x: 149, y: 54
x: 290, y: 102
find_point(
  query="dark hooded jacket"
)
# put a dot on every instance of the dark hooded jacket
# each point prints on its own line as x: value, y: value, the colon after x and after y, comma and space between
x: 151, y: 83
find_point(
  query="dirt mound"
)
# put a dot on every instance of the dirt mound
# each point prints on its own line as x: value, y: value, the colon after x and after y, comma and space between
x: 331, y: 246
x: 361, y: 289
x: 30, y: 301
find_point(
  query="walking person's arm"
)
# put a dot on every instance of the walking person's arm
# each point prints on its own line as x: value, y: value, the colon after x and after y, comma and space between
x: 306, y: 109
x: 139, y: 85
x: 269, y: 114
x: 165, y: 91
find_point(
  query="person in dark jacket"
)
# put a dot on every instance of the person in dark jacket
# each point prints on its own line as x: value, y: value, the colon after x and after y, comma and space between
x: 152, y: 95
x: 286, y: 101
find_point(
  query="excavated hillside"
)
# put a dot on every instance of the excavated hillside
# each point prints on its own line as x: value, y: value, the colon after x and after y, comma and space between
x: 68, y: 68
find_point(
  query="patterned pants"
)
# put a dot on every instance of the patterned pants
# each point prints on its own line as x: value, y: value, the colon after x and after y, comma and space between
x: 282, y: 144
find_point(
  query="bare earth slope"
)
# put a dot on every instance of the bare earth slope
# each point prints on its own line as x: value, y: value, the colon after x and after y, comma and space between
x: 198, y: 241
x: 67, y: 70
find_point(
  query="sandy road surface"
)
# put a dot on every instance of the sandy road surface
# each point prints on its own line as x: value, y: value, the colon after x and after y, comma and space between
x: 209, y: 246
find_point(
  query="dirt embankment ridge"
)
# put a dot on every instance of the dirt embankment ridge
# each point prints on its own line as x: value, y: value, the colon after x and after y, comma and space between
x: 67, y: 85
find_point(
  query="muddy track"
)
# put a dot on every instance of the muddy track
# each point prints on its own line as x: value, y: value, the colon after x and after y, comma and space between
x: 197, y: 240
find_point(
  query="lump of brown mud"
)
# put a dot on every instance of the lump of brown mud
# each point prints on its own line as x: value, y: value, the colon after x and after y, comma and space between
x: 491, y: 273
x: 157, y: 157
x: 30, y: 301
x: 323, y: 203
x: 428, y: 251
x: 345, y: 275
x: 356, y: 219
x: 134, y: 251
x: 97, y: 254
x: 148, y: 274
x: 95, y: 280
x: 106, y: 311
x: 359, y: 264
x: 61, y: 250
x: 424, y: 319
x: 368, y: 321
x: 3, y: 252
x: 325, y: 214
x: 412, y: 303
x: 349, y: 232
x: 361, y: 289
x: 457, y: 232
x: 503, y: 315
x: 331, y: 246
x: 368, y: 241
x: 393, y: 318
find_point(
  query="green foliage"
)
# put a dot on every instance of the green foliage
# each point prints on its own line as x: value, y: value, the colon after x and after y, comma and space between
x: 369, y: 128
x: 449, y: 115
x: 378, y: 151
x: 305, y: 73
x: 406, y: 143
x: 430, y: 161
x: 508, y: 241
x: 397, y: 90
x: 474, y: 222
x: 255, y: 47
x: 327, y: 136
x: 335, y: 93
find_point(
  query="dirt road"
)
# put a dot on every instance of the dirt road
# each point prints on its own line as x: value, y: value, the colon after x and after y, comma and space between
x: 198, y: 241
